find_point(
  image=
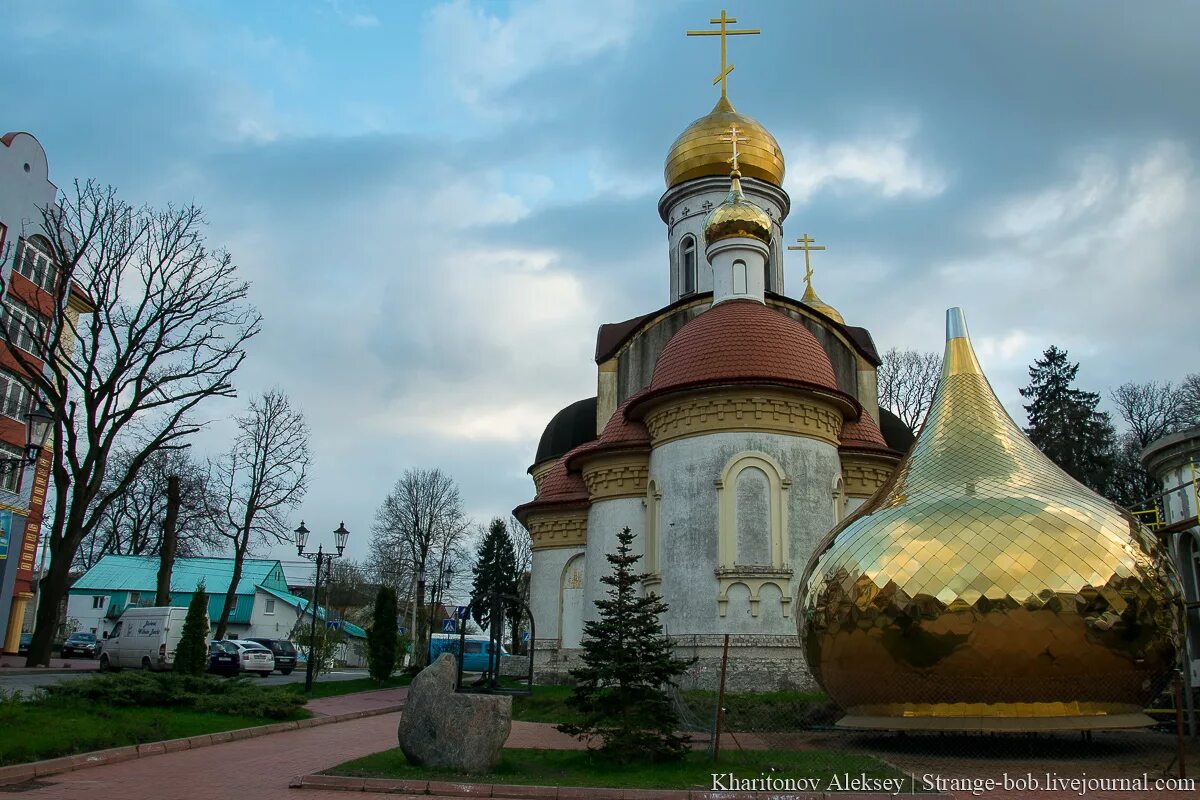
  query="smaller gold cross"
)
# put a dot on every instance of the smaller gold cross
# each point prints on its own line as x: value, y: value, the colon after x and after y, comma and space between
x: 734, y: 138
x: 805, y: 243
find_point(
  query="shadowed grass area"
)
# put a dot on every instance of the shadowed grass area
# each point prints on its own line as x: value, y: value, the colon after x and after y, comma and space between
x: 769, y: 711
x: 336, y: 688
x: 584, y: 768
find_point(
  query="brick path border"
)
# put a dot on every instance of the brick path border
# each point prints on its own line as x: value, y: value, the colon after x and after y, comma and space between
x: 20, y: 773
x: 340, y: 783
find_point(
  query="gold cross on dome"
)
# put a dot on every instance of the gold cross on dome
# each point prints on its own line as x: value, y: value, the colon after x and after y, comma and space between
x: 724, y: 21
x: 805, y: 243
x: 734, y: 138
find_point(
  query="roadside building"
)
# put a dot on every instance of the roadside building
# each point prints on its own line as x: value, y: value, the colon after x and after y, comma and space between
x: 264, y: 607
x: 31, y: 280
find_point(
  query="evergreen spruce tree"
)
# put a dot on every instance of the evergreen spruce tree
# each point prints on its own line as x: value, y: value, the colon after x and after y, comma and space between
x: 1064, y: 422
x: 628, y: 666
x: 382, y: 638
x: 191, y: 656
x: 495, y: 572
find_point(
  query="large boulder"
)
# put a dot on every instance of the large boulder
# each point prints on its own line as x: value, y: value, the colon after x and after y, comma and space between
x: 443, y: 729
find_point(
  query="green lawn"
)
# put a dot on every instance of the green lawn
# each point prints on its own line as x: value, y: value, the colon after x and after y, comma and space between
x: 31, y: 731
x: 336, y: 688
x: 583, y: 768
x: 132, y: 707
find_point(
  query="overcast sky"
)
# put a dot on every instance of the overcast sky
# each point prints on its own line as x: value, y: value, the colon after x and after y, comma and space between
x: 438, y: 203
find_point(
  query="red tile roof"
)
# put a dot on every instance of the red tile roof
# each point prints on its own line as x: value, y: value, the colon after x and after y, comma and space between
x: 863, y: 434
x: 742, y: 341
x: 621, y: 433
x: 561, y: 486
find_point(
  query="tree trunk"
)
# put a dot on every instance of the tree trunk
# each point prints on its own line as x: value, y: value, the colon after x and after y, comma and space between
x: 239, y: 556
x: 52, y: 588
x: 169, y: 540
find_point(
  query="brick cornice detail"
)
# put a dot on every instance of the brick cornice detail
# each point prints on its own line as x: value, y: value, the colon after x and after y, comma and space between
x: 549, y: 529
x: 721, y: 410
x: 862, y: 474
x: 617, y: 475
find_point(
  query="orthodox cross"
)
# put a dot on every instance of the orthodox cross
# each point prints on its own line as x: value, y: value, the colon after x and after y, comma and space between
x: 724, y: 21
x: 734, y: 138
x: 805, y: 243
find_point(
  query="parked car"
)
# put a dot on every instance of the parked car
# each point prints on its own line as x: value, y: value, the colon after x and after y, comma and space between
x: 82, y: 644
x: 253, y: 656
x: 283, y: 650
x: 224, y: 659
x: 23, y: 646
x: 475, y: 650
x: 145, y: 638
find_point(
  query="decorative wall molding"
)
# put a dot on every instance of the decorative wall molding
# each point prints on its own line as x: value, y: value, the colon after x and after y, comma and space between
x: 616, y: 475
x: 539, y: 472
x: 863, y: 474
x: 549, y: 529
x: 744, y: 410
x: 754, y: 579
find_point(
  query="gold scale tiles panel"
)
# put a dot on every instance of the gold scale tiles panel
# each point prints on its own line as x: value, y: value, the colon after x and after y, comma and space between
x: 984, y: 582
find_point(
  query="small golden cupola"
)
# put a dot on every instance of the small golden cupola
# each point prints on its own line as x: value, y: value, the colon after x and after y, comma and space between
x: 810, y: 299
x: 736, y: 217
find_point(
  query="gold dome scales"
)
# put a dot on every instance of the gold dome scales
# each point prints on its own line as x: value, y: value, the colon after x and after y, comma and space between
x: 983, y: 588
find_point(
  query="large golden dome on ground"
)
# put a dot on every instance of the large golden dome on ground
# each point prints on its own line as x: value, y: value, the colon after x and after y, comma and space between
x: 702, y: 151
x: 983, y: 588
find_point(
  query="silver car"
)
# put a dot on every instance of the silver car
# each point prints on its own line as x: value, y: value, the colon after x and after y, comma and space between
x: 254, y: 657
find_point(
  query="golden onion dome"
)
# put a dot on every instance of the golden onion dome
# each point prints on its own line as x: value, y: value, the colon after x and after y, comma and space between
x: 811, y: 300
x: 983, y: 588
x: 737, y: 217
x: 702, y: 150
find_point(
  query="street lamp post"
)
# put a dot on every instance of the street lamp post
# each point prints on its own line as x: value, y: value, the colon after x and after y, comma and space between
x: 323, y: 559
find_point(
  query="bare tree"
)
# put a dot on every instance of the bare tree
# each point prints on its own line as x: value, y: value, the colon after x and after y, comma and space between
x: 419, y: 529
x: 134, y: 521
x: 1189, y: 400
x: 907, y: 382
x: 1151, y: 410
x: 145, y: 325
x: 262, y: 477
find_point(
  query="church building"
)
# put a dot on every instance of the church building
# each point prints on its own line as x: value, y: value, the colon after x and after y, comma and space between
x: 731, y: 429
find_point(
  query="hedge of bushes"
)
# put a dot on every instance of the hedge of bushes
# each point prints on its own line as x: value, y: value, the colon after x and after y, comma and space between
x: 172, y: 690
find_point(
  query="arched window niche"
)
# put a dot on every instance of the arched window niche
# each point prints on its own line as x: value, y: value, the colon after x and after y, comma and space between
x: 752, y: 500
x: 739, y: 277
x: 687, y: 262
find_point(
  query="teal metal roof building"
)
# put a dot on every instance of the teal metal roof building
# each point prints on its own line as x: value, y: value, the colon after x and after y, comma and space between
x: 117, y: 582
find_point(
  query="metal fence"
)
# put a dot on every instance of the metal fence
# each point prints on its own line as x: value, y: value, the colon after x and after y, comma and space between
x: 910, y: 745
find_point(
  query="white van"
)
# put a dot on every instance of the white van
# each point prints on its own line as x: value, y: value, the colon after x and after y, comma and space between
x: 145, y: 638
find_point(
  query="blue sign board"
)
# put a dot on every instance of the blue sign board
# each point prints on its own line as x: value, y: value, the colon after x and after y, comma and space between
x: 333, y: 624
x: 449, y: 626
x: 525, y: 636
x: 461, y: 612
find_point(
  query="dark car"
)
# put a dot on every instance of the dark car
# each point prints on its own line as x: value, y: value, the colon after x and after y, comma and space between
x: 81, y: 644
x: 285, y: 653
x: 23, y: 647
x: 224, y: 659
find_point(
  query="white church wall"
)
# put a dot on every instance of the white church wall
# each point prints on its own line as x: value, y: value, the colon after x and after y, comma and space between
x: 572, y: 596
x: 685, y: 471
x: 544, y: 588
x: 606, y: 518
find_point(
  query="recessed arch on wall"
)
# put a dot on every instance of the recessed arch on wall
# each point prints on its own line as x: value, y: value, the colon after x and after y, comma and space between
x: 653, y: 545
x: 756, y: 468
x: 739, y: 277
x: 778, y: 485
x: 571, y: 602
x: 839, y: 499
